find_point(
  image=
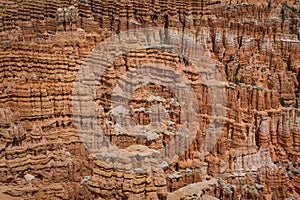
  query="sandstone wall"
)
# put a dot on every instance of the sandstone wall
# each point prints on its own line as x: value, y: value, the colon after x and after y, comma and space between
x: 255, y: 46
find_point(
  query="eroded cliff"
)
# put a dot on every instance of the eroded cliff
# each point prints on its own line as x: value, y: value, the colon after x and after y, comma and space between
x: 255, y: 46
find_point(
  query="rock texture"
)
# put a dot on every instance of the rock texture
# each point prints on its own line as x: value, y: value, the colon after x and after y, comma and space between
x: 255, y: 46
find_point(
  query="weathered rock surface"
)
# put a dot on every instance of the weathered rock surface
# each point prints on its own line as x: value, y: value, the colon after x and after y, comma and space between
x: 255, y: 46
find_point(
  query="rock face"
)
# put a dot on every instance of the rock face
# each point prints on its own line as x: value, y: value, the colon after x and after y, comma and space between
x: 255, y: 47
